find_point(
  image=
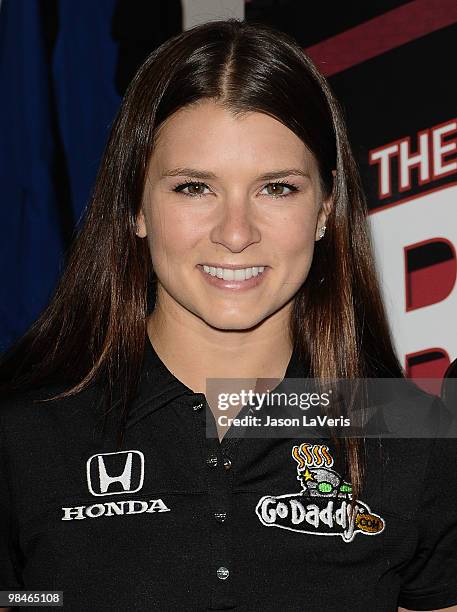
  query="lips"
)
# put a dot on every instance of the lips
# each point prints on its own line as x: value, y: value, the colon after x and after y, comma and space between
x: 233, y: 278
x: 233, y: 266
x: 230, y: 274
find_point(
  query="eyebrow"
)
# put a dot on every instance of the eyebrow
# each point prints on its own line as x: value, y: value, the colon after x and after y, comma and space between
x: 201, y: 174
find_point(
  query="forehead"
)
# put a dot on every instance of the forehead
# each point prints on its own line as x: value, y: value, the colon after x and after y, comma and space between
x: 210, y: 135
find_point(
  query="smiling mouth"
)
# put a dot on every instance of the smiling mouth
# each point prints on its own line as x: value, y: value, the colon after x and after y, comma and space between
x: 233, y: 274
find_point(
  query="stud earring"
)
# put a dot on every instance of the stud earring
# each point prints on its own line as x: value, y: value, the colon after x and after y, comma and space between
x: 322, y: 231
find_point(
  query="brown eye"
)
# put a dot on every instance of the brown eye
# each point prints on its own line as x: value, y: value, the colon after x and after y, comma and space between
x: 194, y: 189
x: 278, y: 189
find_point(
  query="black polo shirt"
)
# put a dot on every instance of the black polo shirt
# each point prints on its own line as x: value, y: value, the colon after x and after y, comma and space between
x: 177, y: 520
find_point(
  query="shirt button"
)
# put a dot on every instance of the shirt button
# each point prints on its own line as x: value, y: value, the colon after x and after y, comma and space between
x: 212, y: 460
x: 223, y: 573
x: 220, y: 516
x: 227, y: 463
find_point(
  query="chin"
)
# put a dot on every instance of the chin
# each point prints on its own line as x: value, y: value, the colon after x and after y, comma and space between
x: 236, y: 322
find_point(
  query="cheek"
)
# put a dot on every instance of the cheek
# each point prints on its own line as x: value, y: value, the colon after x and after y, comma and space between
x: 294, y: 246
x: 295, y: 240
x: 171, y: 237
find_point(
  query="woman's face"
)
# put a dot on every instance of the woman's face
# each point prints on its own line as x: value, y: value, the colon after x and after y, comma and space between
x: 230, y: 192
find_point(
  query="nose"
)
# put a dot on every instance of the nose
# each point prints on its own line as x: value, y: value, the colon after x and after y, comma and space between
x: 236, y: 227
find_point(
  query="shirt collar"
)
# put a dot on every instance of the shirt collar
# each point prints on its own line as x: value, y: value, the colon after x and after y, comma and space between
x: 158, y: 386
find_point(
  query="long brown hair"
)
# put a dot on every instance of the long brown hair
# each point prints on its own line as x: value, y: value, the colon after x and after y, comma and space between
x: 94, y: 328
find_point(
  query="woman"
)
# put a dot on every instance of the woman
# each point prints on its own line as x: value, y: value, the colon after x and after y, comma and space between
x: 226, y: 239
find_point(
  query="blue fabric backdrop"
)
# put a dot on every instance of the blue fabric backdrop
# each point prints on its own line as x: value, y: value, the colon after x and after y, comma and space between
x: 54, y: 121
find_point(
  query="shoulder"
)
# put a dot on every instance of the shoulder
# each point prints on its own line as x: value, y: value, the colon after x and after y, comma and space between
x: 412, y: 450
x: 401, y: 409
x: 32, y: 416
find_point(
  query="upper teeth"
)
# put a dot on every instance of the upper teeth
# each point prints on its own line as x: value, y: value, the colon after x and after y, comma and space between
x: 230, y: 274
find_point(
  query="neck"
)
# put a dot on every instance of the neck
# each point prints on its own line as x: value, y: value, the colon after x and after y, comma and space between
x: 194, y: 351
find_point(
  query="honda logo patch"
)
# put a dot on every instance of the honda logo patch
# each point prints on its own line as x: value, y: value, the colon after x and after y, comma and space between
x: 115, y: 473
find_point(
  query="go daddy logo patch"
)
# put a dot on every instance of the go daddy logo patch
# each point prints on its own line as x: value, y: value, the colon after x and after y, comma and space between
x: 324, y: 506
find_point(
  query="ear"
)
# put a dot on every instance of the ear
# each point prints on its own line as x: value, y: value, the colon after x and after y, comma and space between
x: 141, y: 230
x: 324, y: 212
